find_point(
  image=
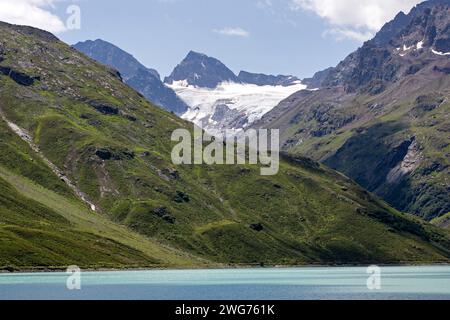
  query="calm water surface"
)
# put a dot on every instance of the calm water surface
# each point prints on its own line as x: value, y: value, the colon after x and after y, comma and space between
x: 234, y: 284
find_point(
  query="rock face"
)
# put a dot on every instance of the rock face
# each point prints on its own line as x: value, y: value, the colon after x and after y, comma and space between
x: 381, y: 115
x: 381, y: 60
x: 144, y: 80
x: 199, y: 70
x: 19, y: 77
x: 317, y: 79
x: 267, y: 80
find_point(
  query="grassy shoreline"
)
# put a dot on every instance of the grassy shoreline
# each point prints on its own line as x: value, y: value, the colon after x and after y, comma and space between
x: 220, y: 267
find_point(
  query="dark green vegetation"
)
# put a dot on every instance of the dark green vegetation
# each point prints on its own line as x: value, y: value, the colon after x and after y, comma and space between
x: 381, y: 116
x: 115, y: 148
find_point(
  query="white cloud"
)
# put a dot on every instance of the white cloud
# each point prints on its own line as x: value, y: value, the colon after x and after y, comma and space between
x: 33, y: 13
x: 234, y: 32
x: 356, y: 19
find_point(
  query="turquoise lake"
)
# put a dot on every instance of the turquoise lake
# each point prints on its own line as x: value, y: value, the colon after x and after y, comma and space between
x: 324, y: 283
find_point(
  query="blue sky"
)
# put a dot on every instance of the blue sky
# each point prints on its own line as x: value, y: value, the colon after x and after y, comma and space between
x: 296, y: 37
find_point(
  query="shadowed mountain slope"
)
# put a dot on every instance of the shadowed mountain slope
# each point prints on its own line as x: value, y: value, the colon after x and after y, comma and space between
x: 381, y: 116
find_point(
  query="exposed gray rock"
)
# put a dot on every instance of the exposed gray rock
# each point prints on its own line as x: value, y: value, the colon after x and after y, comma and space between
x: 104, y: 108
x: 19, y: 77
x: 410, y: 162
x: 267, y: 80
x: 202, y: 71
x: 317, y: 79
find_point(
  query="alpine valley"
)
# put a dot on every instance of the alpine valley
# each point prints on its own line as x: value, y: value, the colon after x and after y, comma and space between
x: 87, y: 179
x: 382, y: 115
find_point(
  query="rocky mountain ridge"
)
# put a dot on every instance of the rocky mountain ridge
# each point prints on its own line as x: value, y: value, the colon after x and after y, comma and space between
x: 381, y: 115
x: 142, y: 79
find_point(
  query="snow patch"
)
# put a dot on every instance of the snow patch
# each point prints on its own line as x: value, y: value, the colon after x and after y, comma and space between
x: 440, y: 53
x: 179, y: 83
x: 405, y: 48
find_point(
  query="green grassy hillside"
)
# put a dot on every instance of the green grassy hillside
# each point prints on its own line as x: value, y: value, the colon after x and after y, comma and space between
x: 41, y: 229
x: 115, y: 148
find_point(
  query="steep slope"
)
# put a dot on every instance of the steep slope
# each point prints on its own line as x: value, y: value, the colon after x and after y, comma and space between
x: 43, y: 224
x: 318, y: 79
x: 381, y: 116
x: 143, y: 80
x: 33, y: 234
x: 115, y: 147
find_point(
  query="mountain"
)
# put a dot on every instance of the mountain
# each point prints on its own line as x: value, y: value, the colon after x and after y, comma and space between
x: 317, y: 80
x: 401, y: 48
x: 267, y: 80
x: 86, y: 178
x: 380, y: 116
x: 219, y: 100
x: 144, y: 80
x: 199, y: 70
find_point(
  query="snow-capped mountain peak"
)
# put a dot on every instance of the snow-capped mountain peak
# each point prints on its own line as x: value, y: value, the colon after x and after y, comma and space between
x: 219, y: 100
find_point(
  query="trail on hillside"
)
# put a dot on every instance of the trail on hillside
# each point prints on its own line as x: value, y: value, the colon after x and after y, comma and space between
x: 25, y: 136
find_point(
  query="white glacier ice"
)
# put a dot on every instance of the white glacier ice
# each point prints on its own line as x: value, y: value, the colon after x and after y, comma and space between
x: 249, y: 100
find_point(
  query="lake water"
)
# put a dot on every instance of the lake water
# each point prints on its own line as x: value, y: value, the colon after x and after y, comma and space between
x: 234, y: 284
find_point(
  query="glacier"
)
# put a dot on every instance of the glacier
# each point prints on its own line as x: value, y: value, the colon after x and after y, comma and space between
x: 230, y: 106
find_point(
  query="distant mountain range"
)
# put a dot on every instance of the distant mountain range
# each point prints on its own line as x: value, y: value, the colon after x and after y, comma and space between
x: 381, y: 115
x: 219, y: 100
x: 201, y: 88
x: 144, y: 80
x: 200, y: 70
